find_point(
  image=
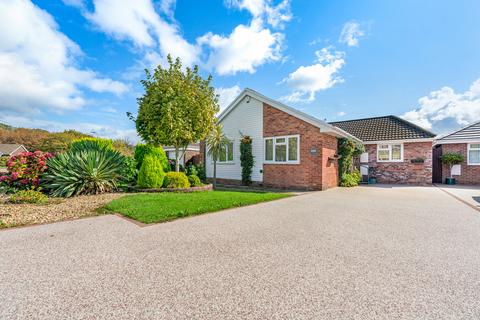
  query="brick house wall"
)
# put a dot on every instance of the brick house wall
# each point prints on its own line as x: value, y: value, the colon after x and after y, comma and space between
x: 315, y: 171
x: 469, y: 174
x: 404, y: 172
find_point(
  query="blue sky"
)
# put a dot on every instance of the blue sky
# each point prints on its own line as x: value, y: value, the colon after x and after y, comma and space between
x: 77, y: 64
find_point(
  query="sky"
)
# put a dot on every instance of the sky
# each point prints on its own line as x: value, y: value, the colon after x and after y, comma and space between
x: 77, y: 64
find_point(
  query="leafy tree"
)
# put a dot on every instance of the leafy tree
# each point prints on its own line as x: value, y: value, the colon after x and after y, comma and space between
x: 216, y: 141
x: 451, y: 159
x: 178, y: 107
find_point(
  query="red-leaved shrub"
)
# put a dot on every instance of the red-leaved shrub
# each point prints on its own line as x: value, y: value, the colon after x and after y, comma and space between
x: 24, y: 170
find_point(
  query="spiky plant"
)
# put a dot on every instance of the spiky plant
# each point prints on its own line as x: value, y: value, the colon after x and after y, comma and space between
x: 83, y: 172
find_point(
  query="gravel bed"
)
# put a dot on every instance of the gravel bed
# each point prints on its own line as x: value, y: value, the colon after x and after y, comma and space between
x: 58, y: 209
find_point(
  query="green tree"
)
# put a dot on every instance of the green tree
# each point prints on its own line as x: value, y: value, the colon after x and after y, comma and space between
x: 178, y: 107
x: 216, y: 141
x: 451, y: 159
x: 246, y: 159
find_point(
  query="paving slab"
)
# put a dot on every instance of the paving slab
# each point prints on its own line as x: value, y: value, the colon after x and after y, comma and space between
x: 362, y: 253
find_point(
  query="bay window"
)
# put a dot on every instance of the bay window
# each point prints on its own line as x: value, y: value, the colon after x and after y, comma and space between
x: 283, y: 149
x: 390, y: 152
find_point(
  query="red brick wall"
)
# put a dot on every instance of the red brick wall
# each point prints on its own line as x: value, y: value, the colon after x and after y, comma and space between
x: 404, y: 172
x: 469, y: 174
x: 315, y: 172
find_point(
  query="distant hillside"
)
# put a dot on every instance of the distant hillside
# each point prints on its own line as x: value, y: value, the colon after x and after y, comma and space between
x: 5, y: 126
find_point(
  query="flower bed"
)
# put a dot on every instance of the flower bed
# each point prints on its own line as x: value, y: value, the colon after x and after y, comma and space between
x: 206, y: 187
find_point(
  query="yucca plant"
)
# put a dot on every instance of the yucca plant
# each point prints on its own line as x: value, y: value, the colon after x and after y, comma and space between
x: 83, y: 172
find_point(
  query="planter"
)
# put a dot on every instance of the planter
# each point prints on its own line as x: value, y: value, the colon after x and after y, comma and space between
x: 372, y: 180
x: 450, y: 181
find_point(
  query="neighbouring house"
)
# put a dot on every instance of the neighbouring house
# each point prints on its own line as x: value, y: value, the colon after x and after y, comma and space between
x: 465, y: 141
x: 191, y: 153
x: 11, y: 149
x: 291, y: 149
x: 398, y: 151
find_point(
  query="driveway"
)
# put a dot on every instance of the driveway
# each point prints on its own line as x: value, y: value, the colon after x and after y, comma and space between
x: 362, y: 253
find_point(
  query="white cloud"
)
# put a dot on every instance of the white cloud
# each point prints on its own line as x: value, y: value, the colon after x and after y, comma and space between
x: 227, y: 95
x: 245, y: 49
x: 444, y: 104
x: 351, y: 33
x: 38, y: 67
x: 274, y: 15
x: 341, y: 113
x: 306, y: 81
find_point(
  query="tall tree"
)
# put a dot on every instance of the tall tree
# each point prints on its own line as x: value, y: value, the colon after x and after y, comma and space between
x: 178, y: 107
x: 216, y: 142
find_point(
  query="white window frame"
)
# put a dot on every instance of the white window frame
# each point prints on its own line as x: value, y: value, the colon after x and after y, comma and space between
x: 390, y: 152
x: 286, y: 143
x: 469, y: 147
x: 226, y: 155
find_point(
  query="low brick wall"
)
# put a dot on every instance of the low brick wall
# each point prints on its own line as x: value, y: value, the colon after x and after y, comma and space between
x: 404, y: 172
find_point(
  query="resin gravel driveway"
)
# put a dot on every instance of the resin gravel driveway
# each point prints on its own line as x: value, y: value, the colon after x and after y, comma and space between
x: 362, y: 253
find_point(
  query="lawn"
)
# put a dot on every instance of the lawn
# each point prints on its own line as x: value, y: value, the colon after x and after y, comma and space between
x: 159, y: 207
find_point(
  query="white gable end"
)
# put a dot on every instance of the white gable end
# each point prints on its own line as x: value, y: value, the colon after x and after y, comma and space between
x: 247, y: 119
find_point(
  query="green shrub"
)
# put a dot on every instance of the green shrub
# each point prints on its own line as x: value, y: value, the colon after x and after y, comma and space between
x: 191, y: 170
x: 246, y: 159
x: 130, y: 173
x: 151, y: 174
x: 176, y: 180
x: 202, y: 173
x: 141, y: 150
x: 84, y: 172
x: 86, y: 144
x: 28, y: 196
x: 194, y: 180
x: 351, y: 179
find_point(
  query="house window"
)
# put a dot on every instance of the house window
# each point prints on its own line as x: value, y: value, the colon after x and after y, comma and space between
x: 390, y: 152
x: 474, y: 153
x: 282, y: 149
x: 226, y: 153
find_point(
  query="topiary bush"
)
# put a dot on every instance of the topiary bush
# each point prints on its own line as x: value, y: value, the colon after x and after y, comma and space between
x: 151, y: 174
x: 246, y: 159
x: 28, y: 196
x: 85, y: 144
x: 451, y: 159
x: 141, y: 150
x: 176, y: 180
x: 194, y: 180
x: 86, y: 172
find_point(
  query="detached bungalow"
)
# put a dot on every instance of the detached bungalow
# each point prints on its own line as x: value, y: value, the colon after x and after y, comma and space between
x: 295, y: 150
x: 398, y: 151
x: 465, y: 141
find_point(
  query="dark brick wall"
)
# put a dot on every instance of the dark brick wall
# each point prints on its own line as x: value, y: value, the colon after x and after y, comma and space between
x: 404, y: 172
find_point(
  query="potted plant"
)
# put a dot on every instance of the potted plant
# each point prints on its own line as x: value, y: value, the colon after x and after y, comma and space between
x: 451, y: 159
x: 372, y: 171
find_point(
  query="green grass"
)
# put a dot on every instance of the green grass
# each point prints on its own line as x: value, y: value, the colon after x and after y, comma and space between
x: 160, y: 207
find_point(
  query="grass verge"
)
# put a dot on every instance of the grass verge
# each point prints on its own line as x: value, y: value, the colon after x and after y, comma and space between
x: 160, y: 207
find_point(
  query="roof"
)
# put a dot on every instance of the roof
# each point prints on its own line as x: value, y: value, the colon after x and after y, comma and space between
x: 9, y: 148
x: 383, y: 129
x: 322, y: 125
x: 470, y: 132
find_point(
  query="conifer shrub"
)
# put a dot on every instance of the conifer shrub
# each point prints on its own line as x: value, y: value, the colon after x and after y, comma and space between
x: 151, y: 174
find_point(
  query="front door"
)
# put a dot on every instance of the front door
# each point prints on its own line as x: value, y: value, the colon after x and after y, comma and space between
x: 437, y: 164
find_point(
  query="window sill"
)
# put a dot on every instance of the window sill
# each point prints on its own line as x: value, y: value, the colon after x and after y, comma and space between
x: 224, y: 163
x: 390, y: 161
x: 286, y: 162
